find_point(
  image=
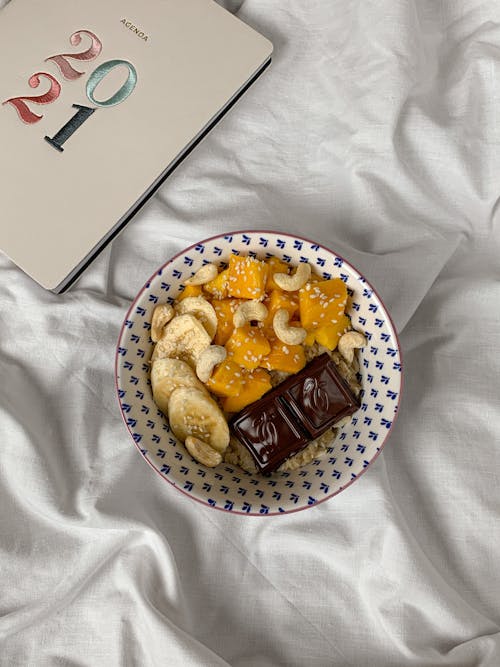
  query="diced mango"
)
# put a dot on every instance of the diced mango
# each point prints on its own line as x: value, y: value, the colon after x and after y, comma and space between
x: 255, y: 385
x: 275, y: 266
x: 247, y: 345
x: 247, y: 277
x: 280, y: 299
x: 189, y: 290
x: 282, y: 357
x: 322, y: 302
x: 218, y: 286
x: 224, y: 309
x: 328, y: 335
x: 310, y: 338
x: 227, y: 379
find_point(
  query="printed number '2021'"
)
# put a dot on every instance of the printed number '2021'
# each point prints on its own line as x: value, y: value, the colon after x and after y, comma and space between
x: 70, y: 73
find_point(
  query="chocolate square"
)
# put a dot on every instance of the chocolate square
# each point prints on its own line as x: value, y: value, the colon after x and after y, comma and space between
x: 269, y: 433
x: 321, y: 399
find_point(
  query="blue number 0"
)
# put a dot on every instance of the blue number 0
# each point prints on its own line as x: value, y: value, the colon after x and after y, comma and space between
x: 98, y: 75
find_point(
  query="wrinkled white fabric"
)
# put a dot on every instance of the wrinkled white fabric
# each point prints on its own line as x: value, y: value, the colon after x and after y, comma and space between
x: 376, y: 131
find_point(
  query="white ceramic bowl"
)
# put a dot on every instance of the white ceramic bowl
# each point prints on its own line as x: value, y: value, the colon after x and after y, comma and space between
x: 227, y: 487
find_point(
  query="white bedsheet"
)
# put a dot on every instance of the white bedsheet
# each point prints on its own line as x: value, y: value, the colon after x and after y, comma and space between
x: 377, y: 132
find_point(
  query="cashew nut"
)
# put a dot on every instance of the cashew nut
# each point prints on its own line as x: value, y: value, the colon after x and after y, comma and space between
x: 202, y: 310
x: 208, y: 360
x: 248, y: 311
x: 349, y: 342
x: 287, y: 334
x: 162, y: 314
x: 202, y: 452
x: 204, y: 275
x: 296, y: 280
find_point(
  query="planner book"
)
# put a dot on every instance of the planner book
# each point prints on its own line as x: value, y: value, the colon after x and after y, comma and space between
x: 99, y: 101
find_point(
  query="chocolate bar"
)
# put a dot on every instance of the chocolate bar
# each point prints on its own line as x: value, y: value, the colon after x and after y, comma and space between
x: 295, y: 412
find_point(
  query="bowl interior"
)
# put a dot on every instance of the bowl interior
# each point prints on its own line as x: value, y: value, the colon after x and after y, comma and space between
x: 227, y: 487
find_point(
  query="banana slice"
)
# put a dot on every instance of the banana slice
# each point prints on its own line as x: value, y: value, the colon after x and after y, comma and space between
x: 202, y: 310
x: 168, y: 375
x: 185, y: 338
x: 192, y: 412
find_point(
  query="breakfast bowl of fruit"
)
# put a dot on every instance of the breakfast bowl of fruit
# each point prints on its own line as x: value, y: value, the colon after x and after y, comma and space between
x: 259, y: 373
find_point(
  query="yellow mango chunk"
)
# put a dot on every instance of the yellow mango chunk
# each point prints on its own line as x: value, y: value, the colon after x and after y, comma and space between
x: 247, y: 345
x: 329, y: 334
x: 227, y: 379
x: 310, y: 338
x: 247, y: 277
x: 280, y: 299
x: 189, y: 290
x: 322, y: 302
x: 224, y: 309
x: 255, y: 385
x: 282, y: 357
x: 275, y: 266
x: 218, y: 286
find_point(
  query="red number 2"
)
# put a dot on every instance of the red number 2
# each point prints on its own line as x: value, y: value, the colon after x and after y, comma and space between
x: 67, y: 70
x: 25, y: 113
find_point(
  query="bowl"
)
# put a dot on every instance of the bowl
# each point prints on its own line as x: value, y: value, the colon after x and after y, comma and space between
x: 226, y: 487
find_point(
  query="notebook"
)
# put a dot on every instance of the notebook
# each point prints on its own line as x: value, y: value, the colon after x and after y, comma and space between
x: 99, y: 101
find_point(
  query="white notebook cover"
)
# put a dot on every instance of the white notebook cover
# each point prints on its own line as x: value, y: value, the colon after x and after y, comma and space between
x: 180, y: 64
